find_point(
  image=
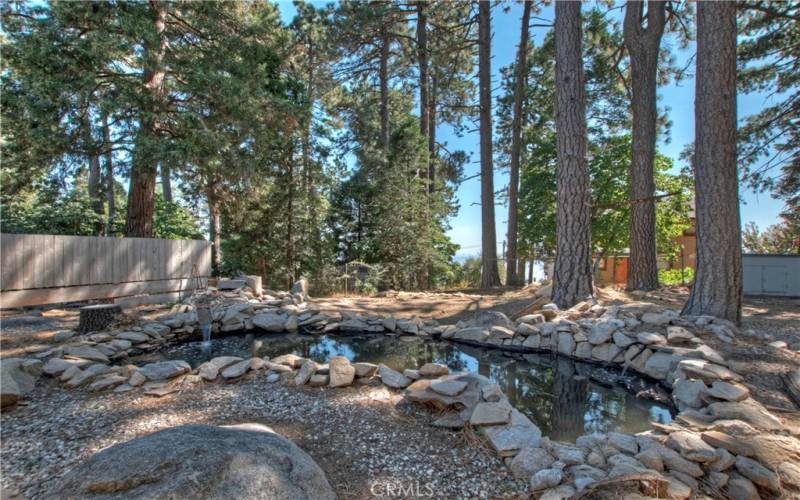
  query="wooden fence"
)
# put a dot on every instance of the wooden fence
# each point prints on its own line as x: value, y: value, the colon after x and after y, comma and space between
x: 47, y: 269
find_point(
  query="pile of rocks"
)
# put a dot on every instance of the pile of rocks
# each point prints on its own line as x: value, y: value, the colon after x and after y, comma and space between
x: 659, y: 344
x: 721, y: 441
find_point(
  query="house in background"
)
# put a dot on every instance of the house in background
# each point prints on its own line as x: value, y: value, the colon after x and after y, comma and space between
x: 614, y: 269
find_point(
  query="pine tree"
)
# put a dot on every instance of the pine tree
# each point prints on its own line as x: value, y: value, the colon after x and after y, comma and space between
x: 717, y: 290
x: 572, y: 275
x: 489, y: 276
x: 643, y: 44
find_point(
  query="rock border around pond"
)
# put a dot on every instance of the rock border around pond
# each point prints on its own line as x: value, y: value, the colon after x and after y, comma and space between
x: 721, y: 441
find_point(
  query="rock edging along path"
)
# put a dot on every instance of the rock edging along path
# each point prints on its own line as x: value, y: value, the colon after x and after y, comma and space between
x: 722, y: 440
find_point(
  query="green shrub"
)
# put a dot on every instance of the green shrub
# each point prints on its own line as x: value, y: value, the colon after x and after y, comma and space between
x: 675, y: 276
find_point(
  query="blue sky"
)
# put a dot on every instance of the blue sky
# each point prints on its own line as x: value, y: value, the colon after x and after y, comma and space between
x: 760, y: 208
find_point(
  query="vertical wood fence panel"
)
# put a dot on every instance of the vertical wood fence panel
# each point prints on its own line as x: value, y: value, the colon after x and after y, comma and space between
x: 42, y: 268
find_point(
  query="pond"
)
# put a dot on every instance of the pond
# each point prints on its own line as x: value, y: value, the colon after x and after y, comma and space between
x: 564, y: 398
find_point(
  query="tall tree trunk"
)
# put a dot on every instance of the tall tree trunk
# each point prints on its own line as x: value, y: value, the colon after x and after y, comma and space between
x: 308, y: 174
x: 93, y: 184
x: 215, y: 227
x: 384, y: 83
x: 717, y: 289
x: 516, y: 146
x: 112, y: 203
x: 489, y: 275
x: 422, y: 59
x: 432, y: 156
x: 572, y: 275
x: 290, y: 257
x: 166, y: 181
x: 141, y: 200
x: 643, y: 45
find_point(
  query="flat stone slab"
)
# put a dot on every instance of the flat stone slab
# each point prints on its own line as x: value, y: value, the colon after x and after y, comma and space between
x: 164, y: 370
x: 448, y: 387
x: 393, y: 378
x: 491, y: 414
x: 210, y: 369
x: 727, y: 391
x: 86, y: 352
x: 236, y: 370
x: 507, y: 440
x: 433, y: 370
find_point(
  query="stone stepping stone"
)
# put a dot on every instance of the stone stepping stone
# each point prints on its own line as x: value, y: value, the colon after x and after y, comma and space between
x: 236, y: 370
x: 393, y: 378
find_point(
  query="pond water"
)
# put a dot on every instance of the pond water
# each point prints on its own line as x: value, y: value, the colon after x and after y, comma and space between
x: 564, y: 398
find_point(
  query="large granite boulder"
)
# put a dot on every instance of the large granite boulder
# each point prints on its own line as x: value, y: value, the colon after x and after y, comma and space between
x: 199, y: 461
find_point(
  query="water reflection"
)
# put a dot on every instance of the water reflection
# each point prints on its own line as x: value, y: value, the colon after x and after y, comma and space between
x: 561, y: 396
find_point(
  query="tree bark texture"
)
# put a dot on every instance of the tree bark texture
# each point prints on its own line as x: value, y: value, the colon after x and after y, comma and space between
x: 384, y: 84
x: 141, y: 200
x: 432, y: 154
x: 643, y: 45
x: 717, y: 290
x: 516, y: 147
x: 93, y: 183
x: 215, y: 226
x: 109, y: 158
x: 572, y: 276
x: 489, y: 275
x: 166, y: 181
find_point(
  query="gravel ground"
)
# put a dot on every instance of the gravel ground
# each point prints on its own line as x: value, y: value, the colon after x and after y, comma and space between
x: 364, y: 438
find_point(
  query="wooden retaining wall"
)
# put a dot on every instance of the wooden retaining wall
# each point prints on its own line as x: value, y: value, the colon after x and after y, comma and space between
x: 40, y: 269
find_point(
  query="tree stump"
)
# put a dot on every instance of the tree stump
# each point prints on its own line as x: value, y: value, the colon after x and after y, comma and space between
x: 98, y: 317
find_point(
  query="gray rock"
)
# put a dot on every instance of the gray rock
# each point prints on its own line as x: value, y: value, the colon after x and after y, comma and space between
x: 273, y: 377
x: 86, y: 352
x: 492, y: 318
x: 534, y: 341
x: 365, y: 369
x: 748, y: 410
x: 602, y: 331
x: 507, y: 440
x: 623, y: 442
x: 566, y: 344
x: 474, y: 334
x: 623, y: 340
x: 656, y: 318
x: 529, y: 461
x: 569, y: 454
x: 341, y: 372
x: 307, y: 369
x: 134, y: 337
x: 236, y: 370
x: 691, y: 446
x: 728, y: 392
x: 741, y: 488
x: 270, y: 322
x: 563, y: 492
x: 199, y: 461
x: 606, y: 352
x: 210, y: 369
x: 163, y: 370
x: 85, y: 376
x: 583, y: 350
x: 491, y: 413
x: 448, y: 387
x: 531, y: 319
x: 648, y: 338
x: 393, y: 378
x: 757, y: 473
x: 546, y: 478
x: 658, y: 365
x: 56, y: 366
x: 679, y: 334
x: 291, y: 360
x: 689, y: 393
